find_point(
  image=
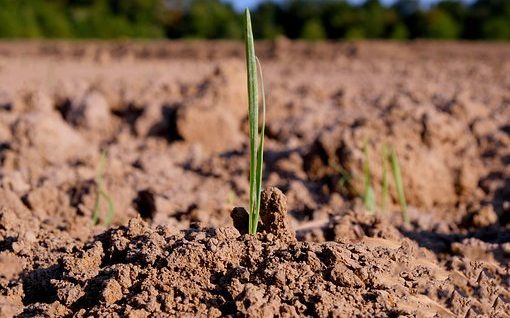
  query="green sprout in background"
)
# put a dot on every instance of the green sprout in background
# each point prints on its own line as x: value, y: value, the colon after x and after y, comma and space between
x: 256, y: 136
x: 102, y: 193
x: 397, y: 176
x: 384, y: 182
x: 389, y: 155
x: 344, y: 184
x: 368, y: 193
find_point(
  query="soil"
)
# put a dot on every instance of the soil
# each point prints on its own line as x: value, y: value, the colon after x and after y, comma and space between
x: 171, y: 118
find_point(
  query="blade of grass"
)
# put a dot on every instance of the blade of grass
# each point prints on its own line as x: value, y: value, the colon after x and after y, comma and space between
x: 260, y: 150
x: 384, y: 181
x: 95, y: 214
x: 99, y: 184
x: 101, y: 193
x: 345, y: 182
x: 256, y: 137
x: 397, y: 176
x: 369, y: 193
x: 110, y: 209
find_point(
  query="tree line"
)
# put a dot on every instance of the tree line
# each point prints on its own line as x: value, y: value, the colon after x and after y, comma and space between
x: 214, y: 19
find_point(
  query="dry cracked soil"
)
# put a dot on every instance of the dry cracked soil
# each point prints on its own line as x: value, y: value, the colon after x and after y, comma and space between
x: 171, y: 118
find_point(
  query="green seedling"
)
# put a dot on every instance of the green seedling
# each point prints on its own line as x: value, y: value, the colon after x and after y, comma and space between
x: 102, y: 193
x: 368, y: 193
x: 395, y: 169
x: 344, y: 184
x: 369, y: 199
x: 384, y: 182
x: 256, y: 136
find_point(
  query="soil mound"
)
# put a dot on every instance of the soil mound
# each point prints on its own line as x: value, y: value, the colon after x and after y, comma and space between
x: 439, y: 153
x: 137, y: 271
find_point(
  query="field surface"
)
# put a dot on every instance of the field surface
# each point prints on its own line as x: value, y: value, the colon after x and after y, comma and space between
x: 168, y: 121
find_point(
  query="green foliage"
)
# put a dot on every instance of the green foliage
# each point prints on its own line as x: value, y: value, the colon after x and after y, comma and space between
x: 137, y: 11
x: 214, y: 19
x: 337, y: 18
x: 81, y: 19
x: 313, y: 30
x: 211, y: 19
x: 266, y: 19
x: 18, y: 19
x: 456, y: 9
x: 487, y: 19
x: 496, y: 29
x: 373, y: 19
x: 298, y: 13
x: 52, y: 22
x: 440, y: 25
x: 107, y: 19
x: 399, y: 32
x: 355, y: 33
x: 10, y: 26
x: 256, y: 136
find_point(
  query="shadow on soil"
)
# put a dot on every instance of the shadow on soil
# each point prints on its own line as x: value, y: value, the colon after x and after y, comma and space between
x: 441, y: 243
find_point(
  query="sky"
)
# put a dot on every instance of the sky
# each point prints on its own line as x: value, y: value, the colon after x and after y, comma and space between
x: 241, y: 4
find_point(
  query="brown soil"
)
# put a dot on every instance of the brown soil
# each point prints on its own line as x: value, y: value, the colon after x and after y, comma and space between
x: 172, y: 119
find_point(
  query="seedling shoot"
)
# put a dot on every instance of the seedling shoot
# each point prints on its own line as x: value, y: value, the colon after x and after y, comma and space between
x: 256, y: 135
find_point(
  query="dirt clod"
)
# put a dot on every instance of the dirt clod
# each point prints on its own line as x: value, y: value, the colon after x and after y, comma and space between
x: 273, y: 213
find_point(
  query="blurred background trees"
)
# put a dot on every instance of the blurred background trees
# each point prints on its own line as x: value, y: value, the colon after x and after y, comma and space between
x: 214, y: 19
